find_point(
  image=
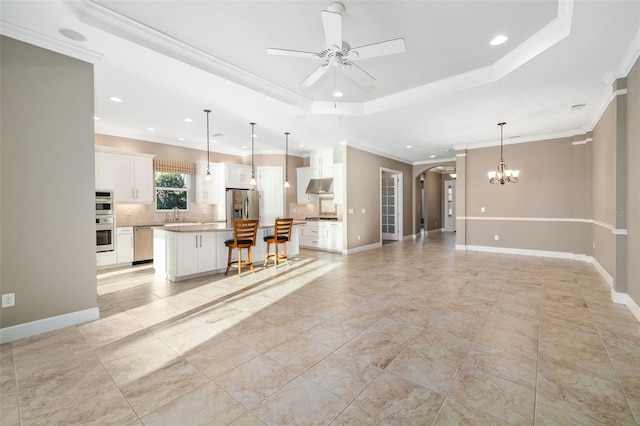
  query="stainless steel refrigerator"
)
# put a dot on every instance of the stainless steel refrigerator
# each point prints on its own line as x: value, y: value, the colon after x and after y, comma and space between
x: 242, y: 204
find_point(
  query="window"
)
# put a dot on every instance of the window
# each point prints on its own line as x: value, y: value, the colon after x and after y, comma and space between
x: 172, y: 190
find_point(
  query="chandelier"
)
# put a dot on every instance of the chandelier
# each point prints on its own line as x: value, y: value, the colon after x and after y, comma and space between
x: 503, y: 174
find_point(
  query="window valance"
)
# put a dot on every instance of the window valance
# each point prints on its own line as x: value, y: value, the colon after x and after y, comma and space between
x: 172, y: 166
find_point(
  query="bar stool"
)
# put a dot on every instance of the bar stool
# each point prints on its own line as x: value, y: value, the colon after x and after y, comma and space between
x: 244, y: 236
x: 281, y: 234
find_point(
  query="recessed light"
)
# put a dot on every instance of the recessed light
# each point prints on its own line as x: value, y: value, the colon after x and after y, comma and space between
x: 115, y: 99
x: 337, y: 94
x: 95, y: 117
x: 432, y: 156
x: 301, y: 146
x: 498, y: 40
x: 214, y: 141
x: 409, y: 146
x: 151, y: 129
x: 254, y: 136
x: 180, y: 139
x: 73, y: 35
x: 244, y: 147
x: 188, y: 120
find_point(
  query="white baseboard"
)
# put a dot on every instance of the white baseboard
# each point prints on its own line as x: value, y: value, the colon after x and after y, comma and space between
x: 362, y: 248
x: 633, y: 307
x: 20, y: 331
x: 524, y: 252
x: 608, y: 278
x: 411, y: 237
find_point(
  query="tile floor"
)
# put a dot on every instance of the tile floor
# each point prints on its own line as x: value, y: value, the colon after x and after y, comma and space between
x: 411, y: 333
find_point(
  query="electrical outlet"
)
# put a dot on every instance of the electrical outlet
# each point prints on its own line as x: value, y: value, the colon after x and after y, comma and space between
x: 128, y: 212
x: 594, y: 245
x: 350, y: 211
x: 496, y: 237
x: 481, y: 209
x: 358, y: 237
x: 8, y: 300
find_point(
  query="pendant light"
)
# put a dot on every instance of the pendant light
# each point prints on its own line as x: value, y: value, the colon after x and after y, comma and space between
x: 286, y: 160
x: 208, y: 176
x: 253, y: 136
x: 503, y: 174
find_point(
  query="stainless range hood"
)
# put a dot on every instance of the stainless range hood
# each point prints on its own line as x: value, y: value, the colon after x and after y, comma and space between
x: 320, y: 186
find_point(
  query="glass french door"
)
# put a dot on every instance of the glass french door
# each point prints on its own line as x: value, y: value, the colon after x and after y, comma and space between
x: 389, y: 200
x: 450, y: 205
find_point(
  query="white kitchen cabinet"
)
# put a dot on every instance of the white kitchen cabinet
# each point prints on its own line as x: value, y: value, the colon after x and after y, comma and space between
x: 304, y: 175
x: 208, y: 192
x: 106, y: 259
x: 133, y: 178
x: 322, y: 235
x: 322, y: 158
x: 338, y: 183
x: 104, y: 170
x: 238, y: 176
x: 124, y: 244
x: 195, y: 252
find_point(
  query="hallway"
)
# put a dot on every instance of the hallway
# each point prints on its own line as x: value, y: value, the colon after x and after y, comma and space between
x: 411, y: 333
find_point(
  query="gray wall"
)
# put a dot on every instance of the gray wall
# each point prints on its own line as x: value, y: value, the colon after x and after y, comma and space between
x: 633, y: 181
x: 552, y: 185
x: 47, y: 210
x: 433, y: 197
x: 363, y: 191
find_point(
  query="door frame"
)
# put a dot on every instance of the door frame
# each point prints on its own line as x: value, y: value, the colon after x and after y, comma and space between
x: 398, y: 201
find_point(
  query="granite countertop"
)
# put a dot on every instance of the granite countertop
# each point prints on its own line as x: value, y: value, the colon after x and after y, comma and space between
x: 209, y: 227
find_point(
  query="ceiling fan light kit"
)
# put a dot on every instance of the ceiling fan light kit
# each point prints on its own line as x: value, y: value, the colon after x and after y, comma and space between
x: 338, y: 53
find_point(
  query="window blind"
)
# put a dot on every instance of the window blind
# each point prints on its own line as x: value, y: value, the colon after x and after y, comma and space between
x: 172, y: 166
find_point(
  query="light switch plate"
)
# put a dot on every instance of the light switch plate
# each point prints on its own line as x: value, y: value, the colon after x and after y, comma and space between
x: 481, y: 209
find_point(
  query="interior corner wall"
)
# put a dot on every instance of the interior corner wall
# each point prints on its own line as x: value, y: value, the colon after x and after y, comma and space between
x: 604, y: 189
x: 363, y: 189
x: 47, y: 197
x: 633, y: 183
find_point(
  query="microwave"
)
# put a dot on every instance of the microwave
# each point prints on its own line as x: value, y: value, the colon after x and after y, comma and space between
x: 104, y: 202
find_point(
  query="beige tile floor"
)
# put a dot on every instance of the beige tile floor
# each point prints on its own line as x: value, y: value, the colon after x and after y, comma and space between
x: 411, y: 333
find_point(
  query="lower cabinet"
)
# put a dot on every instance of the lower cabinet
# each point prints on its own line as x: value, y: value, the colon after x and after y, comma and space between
x: 179, y: 255
x: 322, y: 236
x: 124, y: 244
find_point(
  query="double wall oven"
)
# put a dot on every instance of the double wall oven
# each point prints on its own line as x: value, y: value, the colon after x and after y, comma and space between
x: 105, y: 224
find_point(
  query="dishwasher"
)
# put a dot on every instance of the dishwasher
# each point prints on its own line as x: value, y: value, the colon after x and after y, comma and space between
x: 142, y: 244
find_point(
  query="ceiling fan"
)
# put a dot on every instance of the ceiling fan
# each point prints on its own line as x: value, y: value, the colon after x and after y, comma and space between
x: 338, y: 51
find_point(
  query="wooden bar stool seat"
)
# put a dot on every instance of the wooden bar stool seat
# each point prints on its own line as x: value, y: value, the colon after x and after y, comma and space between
x: 244, y: 237
x: 281, y: 235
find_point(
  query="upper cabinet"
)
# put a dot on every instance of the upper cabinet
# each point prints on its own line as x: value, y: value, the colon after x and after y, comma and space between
x: 133, y: 178
x: 237, y: 176
x: 338, y: 183
x: 208, y: 192
x: 104, y: 170
x: 321, y: 159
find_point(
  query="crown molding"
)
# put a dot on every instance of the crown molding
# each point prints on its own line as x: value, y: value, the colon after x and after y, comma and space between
x: 129, y: 29
x: 435, y: 161
x: 105, y: 19
x: 28, y: 36
x: 530, y: 139
x: 377, y: 152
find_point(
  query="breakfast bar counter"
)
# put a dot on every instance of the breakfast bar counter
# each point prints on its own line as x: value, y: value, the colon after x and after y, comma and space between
x: 186, y: 250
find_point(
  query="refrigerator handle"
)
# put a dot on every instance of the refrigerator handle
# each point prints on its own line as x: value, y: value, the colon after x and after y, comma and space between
x: 246, y: 208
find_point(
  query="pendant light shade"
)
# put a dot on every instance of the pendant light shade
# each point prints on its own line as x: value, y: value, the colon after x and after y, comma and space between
x: 208, y: 176
x: 253, y: 174
x: 286, y: 160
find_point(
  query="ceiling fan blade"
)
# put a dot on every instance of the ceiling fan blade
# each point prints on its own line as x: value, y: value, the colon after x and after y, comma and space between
x: 383, y: 48
x: 296, y: 53
x: 315, y: 75
x: 332, y: 23
x: 356, y: 65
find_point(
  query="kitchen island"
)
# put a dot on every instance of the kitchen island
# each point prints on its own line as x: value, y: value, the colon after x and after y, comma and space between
x: 183, y: 251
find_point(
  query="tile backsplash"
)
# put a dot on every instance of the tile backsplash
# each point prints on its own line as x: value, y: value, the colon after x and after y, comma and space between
x: 146, y: 214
